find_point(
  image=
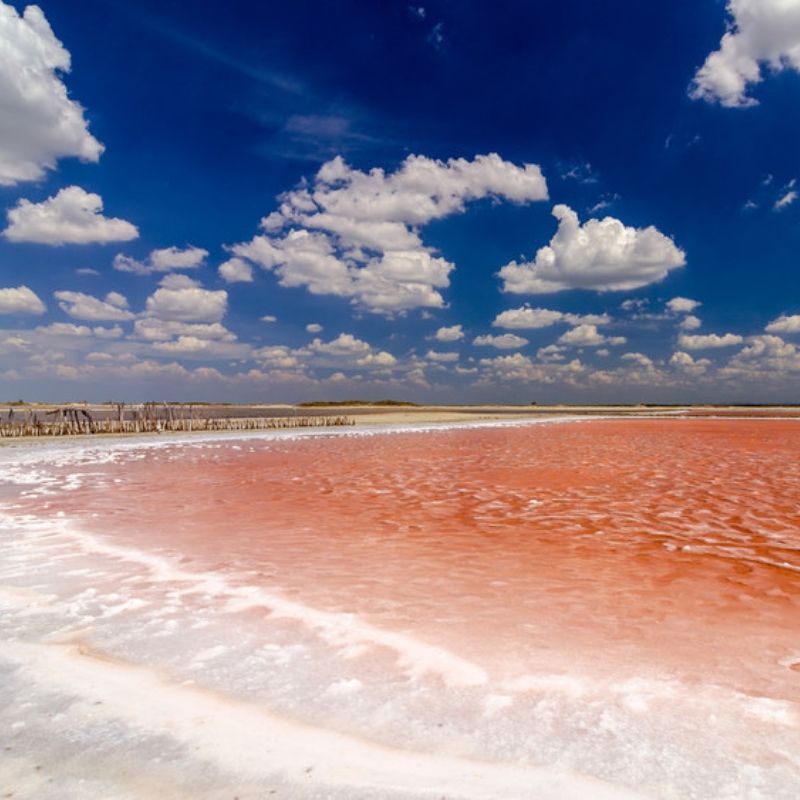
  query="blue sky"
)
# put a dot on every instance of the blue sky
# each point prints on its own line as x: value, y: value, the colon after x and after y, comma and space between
x: 447, y: 201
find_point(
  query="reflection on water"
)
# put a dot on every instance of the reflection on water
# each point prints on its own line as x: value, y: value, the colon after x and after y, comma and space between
x: 618, y: 599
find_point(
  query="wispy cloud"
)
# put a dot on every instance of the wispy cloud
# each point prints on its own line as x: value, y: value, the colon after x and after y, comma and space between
x: 436, y: 36
x: 604, y: 202
x: 788, y: 197
x: 257, y: 71
x: 318, y: 137
x: 786, y: 200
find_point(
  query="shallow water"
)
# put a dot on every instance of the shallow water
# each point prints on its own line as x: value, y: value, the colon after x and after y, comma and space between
x: 583, y: 609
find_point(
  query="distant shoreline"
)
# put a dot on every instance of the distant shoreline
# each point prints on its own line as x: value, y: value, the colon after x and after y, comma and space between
x: 365, y: 416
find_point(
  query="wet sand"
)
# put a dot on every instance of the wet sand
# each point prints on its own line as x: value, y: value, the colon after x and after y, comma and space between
x: 567, y: 609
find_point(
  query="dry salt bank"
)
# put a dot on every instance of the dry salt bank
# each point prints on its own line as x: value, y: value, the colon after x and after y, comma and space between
x: 587, y: 609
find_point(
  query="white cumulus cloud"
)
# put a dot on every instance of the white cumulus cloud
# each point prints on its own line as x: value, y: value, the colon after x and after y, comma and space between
x: 113, y: 332
x: 453, y: 333
x: 709, y: 340
x: 784, y: 324
x: 180, y: 299
x: 527, y: 318
x: 766, y: 354
x: 380, y: 359
x: 84, y: 306
x: 71, y: 330
x: 20, y: 300
x: 518, y: 367
x: 346, y: 351
x: 73, y: 216
x: 682, y: 305
x: 39, y: 123
x: 587, y: 335
x: 552, y: 352
x: 690, y: 323
x: 441, y: 358
x: 760, y: 32
x: 158, y: 330
x: 356, y: 234
x: 345, y: 344
x: 196, y: 346
x: 236, y: 270
x: 600, y: 254
x: 165, y: 259
x: 505, y: 341
x: 686, y: 363
x: 278, y: 355
x: 638, y: 358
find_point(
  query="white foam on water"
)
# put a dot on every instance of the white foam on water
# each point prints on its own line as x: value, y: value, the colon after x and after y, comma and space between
x: 341, y: 630
x: 346, y: 631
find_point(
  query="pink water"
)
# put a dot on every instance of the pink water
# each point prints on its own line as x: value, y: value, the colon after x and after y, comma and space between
x: 617, y: 599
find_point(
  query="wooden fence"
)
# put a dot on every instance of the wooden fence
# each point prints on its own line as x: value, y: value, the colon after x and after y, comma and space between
x: 146, y: 418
